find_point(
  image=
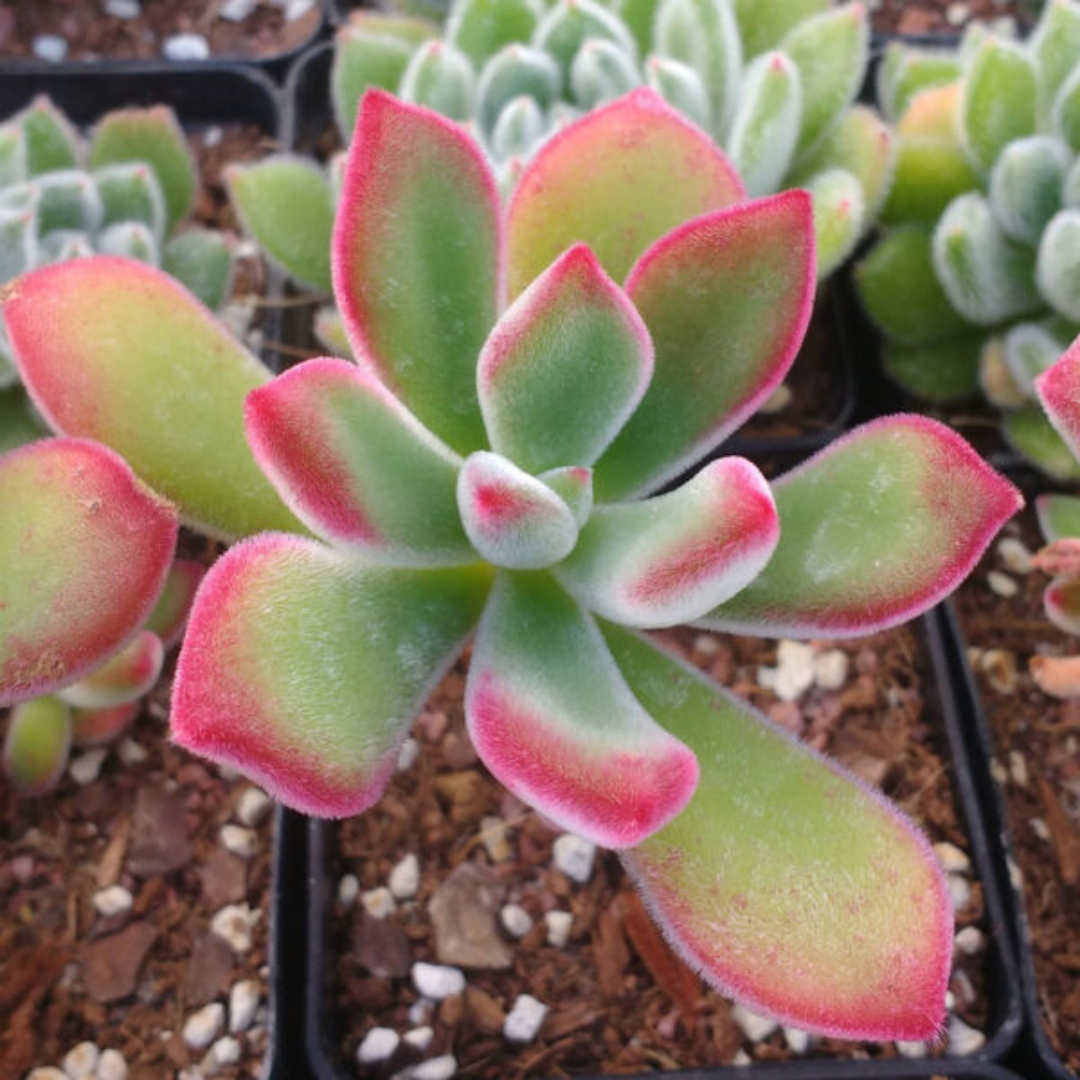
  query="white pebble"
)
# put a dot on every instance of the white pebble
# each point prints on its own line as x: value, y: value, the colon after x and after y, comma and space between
x: 574, y: 856
x: 237, y: 10
x: 234, y: 923
x: 963, y: 1039
x: 524, y: 1020
x: 1014, y: 555
x: 297, y: 9
x: 112, y: 1066
x: 909, y: 1049
x: 113, y: 900
x: 1040, y: 828
x: 440, y: 1068
x: 405, y: 878
x: 407, y: 755
x: 756, y: 1028
x: 253, y: 807
x: 437, y: 981
x: 204, y: 1026
x: 226, y: 1051
x: 798, y: 1040
x: 742, y: 1058
x: 379, y: 1044
x: 123, y: 9
x: 959, y: 891
x: 378, y: 903
x: 831, y: 669
x: 185, y: 47
x: 794, y: 670
x: 130, y: 752
x: 81, y: 1061
x: 1018, y: 769
x: 516, y: 920
x: 348, y: 889
x: 86, y: 768
x: 50, y: 47
x: 970, y: 940
x: 952, y: 859
x: 45, y: 1072
x: 239, y: 840
x: 1002, y: 584
x: 419, y: 1038
x: 243, y: 1001
x: 420, y: 1011
x: 558, y: 927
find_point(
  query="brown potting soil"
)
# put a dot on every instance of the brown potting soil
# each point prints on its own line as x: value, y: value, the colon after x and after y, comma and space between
x: 91, y: 33
x: 1037, y: 765
x: 619, y: 1000
x: 947, y: 16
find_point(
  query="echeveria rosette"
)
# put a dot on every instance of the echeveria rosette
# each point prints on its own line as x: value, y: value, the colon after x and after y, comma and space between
x: 306, y: 659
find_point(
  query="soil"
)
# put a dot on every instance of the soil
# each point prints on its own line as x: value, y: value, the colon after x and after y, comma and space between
x: 1037, y: 766
x: 620, y: 1001
x: 91, y: 33
x: 948, y: 16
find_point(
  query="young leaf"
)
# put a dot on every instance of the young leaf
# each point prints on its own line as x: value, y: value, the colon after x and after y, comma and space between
x: 564, y: 368
x: 727, y: 300
x: 1059, y: 516
x: 1043, y: 442
x: 569, y: 24
x: 37, y: 745
x: 1057, y: 269
x: 554, y: 721
x: 515, y: 72
x: 284, y: 204
x: 173, y: 606
x: 117, y: 351
x: 480, y: 28
x: 763, y: 24
x: 938, y: 371
x: 671, y: 558
x: 1029, y: 348
x: 601, y: 72
x: 355, y: 466
x: 858, y: 943
x: 123, y: 678
x: 416, y: 261
x: 520, y: 128
x: 1065, y: 112
x: 904, y: 72
x: 365, y: 59
x: 1026, y: 186
x: 930, y: 174
x: 1059, y: 391
x: 441, y: 78
x: 304, y: 668
x: 839, y: 217
x: 202, y: 261
x: 874, y: 530
x: 617, y: 180
x: 681, y: 87
x: 130, y: 192
x: 1055, y: 46
x: 84, y: 550
x: 51, y: 141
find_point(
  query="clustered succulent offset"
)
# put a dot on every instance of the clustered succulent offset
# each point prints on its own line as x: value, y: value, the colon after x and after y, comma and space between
x: 977, y: 278
x: 481, y: 469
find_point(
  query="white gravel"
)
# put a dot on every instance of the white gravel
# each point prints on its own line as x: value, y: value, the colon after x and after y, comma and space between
x: 113, y: 900
x: 186, y: 47
x: 574, y: 856
x: 756, y: 1028
x: 243, y: 1001
x: 419, y: 1038
x: 203, y: 1027
x: 111, y: 1066
x: 240, y: 840
x: 524, y: 1020
x: 963, y: 1039
x: 348, y: 889
x: 516, y: 920
x: 50, y: 47
x: 439, y: 1068
x: 81, y: 1061
x: 235, y: 923
x: 378, y: 902
x: 405, y: 878
x: 437, y: 981
x: 558, y: 927
x: 86, y: 768
x: 379, y: 1044
x: 254, y: 807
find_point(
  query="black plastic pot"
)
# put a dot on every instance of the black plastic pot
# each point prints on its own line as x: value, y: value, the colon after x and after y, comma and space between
x: 1035, y: 1045
x: 1005, y: 1009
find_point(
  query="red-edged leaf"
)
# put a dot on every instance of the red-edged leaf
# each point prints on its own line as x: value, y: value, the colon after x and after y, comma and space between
x: 1059, y: 391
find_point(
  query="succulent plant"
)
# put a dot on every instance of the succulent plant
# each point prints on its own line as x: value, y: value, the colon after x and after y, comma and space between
x: 976, y: 280
x: 123, y: 193
x: 482, y: 468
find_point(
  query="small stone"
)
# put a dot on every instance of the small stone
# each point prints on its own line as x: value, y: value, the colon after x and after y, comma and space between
x: 348, y: 889
x: 969, y: 941
x: 123, y: 9
x: 226, y: 1051
x: 777, y: 401
x: 831, y: 669
x: 516, y: 920
x: 798, y: 1040
x: 378, y: 903
x: 742, y: 1058
x: 794, y: 670
x: 963, y: 989
x: 959, y: 891
x: 110, y: 965
x: 756, y: 1028
x: 1014, y: 555
x: 235, y: 923
x: 297, y: 9
x: 524, y: 1020
x: 223, y: 878
x: 999, y: 666
x: 254, y: 807
x: 574, y: 856
x: 911, y: 1049
x: 243, y: 1001
x: 558, y: 927
x: 208, y: 970
x: 379, y: 1044
x: 964, y: 1040
x: 81, y: 1061
x: 86, y: 768
x: 440, y: 1068
x: 203, y: 1027
x: 1018, y: 769
x: 407, y: 755
x: 1040, y: 829
x: 159, y: 840
x: 240, y: 840
x: 50, y: 47
x: 237, y: 10
x: 1002, y: 584
x: 419, y: 1038
x: 111, y: 1066
x: 380, y: 946
x: 113, y: 900
x: 437, y: 981
x: 952, y: 859
x: 493, y: 835
x: 405, y: 878
x: 45, y: 1072
x: 186, y: 47
x: 464, y: 910
x: 130, y: 752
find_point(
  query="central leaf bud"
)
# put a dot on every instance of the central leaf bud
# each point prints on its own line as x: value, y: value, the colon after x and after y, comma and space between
x: 515, y: 520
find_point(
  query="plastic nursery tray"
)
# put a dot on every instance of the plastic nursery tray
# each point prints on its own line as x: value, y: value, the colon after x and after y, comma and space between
x: 307, y: 115
x: 1035, y: 1046
x: 1005, y: 1020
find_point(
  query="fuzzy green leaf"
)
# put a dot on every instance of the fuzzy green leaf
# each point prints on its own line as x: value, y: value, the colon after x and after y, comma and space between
x: 202, y: 261
x: 1033, y: 436
x: 763, y: 24
x: 51, y: 141
x: 480, y: 28
x: 37, y: 745
x: 440, y: 77
x: 681, y: 87
x: 1059, y: 517
x: 364, y: 58
x: 569, y: 24
x: 515, y: 72
x: 938, y: 371
x: 839, y: 217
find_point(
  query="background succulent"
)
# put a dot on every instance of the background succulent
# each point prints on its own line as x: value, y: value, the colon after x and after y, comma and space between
x: 976, y: 280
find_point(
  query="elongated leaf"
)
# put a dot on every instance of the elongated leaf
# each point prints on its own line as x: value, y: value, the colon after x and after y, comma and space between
x: 116, y: 351
x: 1044, y: 444
x: 839, y: 217
x: 617, y: 180
x: 51, y: 140
x: 173, y: 606
x: 304, y: 669
x: 84, y: 550
x: 480, y: 28
x: 1026, y: 186
x: 1059, y: 391
x: 441, y: 78
x: 356, y: 466
x: 554, y: 721
x: 1059, y: 516
x: 566, y: 27
x: 123, y: 678
x: 857, y: 942
x: 99, y: 727
x: 564, y: 368
x: 365, y: 58
x: 416, y: 260
x: 1055, y: 47
x: 904, y: 72
x: 37, y: 745
x: 671, y: 558
x: 515, y: 72
x: 1057, y: 269
x: 727, y: 300
x: 284, y: 204
x: 874, y: 530
x: 939, y: 371
x: 763, y: 24
x: 202, y: 261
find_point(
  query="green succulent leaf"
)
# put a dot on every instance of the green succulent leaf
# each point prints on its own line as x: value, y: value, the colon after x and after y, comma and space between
x: 903, y: 73
x: 51, y: 141
x: 763, y: 24
x: 681, y: 87
x: 601, y: 72
x: 37, y: 745
x: 1065, y: 112
x: 569, y: 24
x: 1030, y: 348
x: 123, y: 678
x: 515, y: 72
x: 202, y: 261
x: 67, y: 200
x: 1058, y: 267
x: 839, y: 216
x: 1026, y: 186
x: 640, y: 17
x: 1032, y: 435
x: 19, y: 424
x: 129, y: 240
x: 481, y: 28
x: 130, y: 191
x: 1055, y: 46
x: 364, y: 59
x: 13, y: 166
x: 442, y: 78
x: 937, y: 371
x: 930, y: 174
x: 1059, y: 517
x: 173, y: 606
